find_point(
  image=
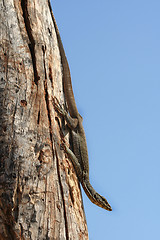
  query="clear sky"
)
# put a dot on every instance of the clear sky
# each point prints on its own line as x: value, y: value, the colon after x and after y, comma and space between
x: 113, y: 49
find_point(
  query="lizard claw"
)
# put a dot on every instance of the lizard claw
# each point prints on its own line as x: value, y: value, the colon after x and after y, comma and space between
x: 63, y: 146
x: 58, y: 106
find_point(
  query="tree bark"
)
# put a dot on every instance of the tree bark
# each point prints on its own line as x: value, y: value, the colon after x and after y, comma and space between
x: 40, y: 197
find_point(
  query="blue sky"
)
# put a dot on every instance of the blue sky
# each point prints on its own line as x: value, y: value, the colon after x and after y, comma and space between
x: 113, y: 49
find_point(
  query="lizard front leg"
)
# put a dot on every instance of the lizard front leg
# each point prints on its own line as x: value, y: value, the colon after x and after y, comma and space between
x: 74, y: 161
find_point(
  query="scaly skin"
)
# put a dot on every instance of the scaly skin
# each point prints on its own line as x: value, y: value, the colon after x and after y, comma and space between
x: 79, y: 156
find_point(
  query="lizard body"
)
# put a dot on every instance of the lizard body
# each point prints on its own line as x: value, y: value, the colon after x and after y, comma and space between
x: 79, y: 156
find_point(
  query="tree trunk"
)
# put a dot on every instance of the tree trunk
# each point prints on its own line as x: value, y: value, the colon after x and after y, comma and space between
x: 40, y: 196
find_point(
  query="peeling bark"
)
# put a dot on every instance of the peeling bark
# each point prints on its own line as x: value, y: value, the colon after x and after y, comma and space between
x: 40, y: 196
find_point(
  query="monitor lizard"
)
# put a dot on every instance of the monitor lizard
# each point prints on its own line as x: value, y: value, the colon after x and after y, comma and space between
x: 79, y: 155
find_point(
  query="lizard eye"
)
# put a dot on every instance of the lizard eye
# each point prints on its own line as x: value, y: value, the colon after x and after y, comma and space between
x: 95, y: 196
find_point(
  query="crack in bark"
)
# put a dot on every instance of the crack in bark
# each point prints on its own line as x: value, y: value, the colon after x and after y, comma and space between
x: 21, y: 232
x: 47, y: 101
x: 38, y: 120
x: 44, y: 63
x: 31, y: 45
x: 58, y: 169
x: 62, y: 193
x: 51, y: 138
x: 50, y: 74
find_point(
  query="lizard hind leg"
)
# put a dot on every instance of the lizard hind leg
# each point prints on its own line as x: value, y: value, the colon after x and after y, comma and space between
x: 58, y: 107
x: 64, y: 130
x: 71, y: 122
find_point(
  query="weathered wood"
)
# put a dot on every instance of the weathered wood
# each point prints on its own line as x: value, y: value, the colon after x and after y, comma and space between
x: 40, y: 197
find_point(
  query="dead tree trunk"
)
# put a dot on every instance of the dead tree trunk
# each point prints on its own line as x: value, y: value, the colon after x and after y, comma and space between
x: 40, y: 196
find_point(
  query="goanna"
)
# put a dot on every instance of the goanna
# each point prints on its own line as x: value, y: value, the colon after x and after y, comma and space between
x: 79, y: 155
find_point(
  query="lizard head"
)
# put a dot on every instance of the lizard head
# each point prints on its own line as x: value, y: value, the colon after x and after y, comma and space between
x: 103, y: 202
x: 95, y: 197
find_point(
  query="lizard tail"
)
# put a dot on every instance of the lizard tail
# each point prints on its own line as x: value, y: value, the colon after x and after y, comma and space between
x: 95, y: 197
